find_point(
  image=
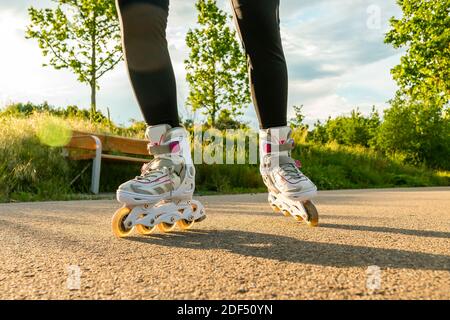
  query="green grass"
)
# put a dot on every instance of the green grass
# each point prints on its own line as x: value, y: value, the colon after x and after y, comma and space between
x: 33, y: 168
x: 338, y: 167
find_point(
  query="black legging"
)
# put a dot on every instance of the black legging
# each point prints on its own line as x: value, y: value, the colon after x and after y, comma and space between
x: 144, y: 36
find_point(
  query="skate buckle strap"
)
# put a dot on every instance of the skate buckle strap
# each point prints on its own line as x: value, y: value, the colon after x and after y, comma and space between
x: 283, y: 146
x: 172, y: 147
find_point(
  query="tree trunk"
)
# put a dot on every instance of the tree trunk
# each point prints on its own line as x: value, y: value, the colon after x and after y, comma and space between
x: 94, y: 66
x: 214, y: 106
x: 213, y: 118
x: 93, y: 96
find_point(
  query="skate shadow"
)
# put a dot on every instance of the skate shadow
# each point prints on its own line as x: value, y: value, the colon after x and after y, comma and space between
x: 408, y: 232
x: 288, y: 249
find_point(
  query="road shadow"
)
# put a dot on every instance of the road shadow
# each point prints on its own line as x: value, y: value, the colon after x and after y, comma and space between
x: 251, y: 244
x: 408, y: 232
x: 288, y: 249
x: 352, y: 217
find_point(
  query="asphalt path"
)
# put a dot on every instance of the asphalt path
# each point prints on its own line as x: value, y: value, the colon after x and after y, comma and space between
x: 371, y: 244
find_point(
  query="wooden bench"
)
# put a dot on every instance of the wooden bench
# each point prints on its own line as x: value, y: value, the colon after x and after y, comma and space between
x: 98, y: 147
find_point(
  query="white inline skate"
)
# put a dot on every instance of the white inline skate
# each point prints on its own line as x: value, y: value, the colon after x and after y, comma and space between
x: 162, y: 195
x: 290, y: 190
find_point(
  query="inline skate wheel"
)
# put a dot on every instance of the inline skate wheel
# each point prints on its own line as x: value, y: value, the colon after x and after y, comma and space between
x: 313, y: 214
x: 201, y: 219
x: 144, y: 230
x: 275, y: 208
x: 286, y: 213
x: 166, y: 227
x: 117, y: 223
x: 184, y: 224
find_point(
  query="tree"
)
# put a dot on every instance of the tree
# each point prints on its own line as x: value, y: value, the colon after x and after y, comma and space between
x: 352, y: 130
x: 225, y: 120
x: 299, y: 117
x: 80, y: 35
x: 424, y: 30
x: 216, y: 68
x: 417, y: 125
x: 419, y: 134
x: 319, y: 133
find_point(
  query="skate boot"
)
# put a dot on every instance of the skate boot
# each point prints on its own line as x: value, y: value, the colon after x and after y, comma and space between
x: 162, y: 195
x: 289, y: 189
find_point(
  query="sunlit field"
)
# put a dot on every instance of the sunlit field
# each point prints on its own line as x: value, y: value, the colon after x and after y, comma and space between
x: 33, y: 166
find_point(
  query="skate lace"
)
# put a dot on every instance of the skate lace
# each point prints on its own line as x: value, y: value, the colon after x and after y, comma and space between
x: 148, y: 172
x: 290, y: 171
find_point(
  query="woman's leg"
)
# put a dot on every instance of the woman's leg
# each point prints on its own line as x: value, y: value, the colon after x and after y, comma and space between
x: 289, y: 189
x: 170, y: 175
x: 144, y: 25
x: 258, y: 25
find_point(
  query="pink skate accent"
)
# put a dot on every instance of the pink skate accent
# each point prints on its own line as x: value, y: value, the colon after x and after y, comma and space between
x: 156, y: 143
x: 298, y: 164
x: 162, y: 182
x: 174, y: 146
x: 165, y: 176
x: 267, y: 148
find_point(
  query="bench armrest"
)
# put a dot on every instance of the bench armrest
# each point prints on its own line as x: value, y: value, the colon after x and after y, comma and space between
x: 90, y: 142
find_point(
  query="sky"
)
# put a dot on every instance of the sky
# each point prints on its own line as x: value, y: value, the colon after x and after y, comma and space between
x: 336, y: 58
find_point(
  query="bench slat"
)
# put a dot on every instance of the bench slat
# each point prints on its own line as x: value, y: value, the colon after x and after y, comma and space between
x: 124, y: 158
x: 116, y: 143
x: 88, y: 141
x: 82, y: 142
x: 85, y: 156
x: 88, y: 156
